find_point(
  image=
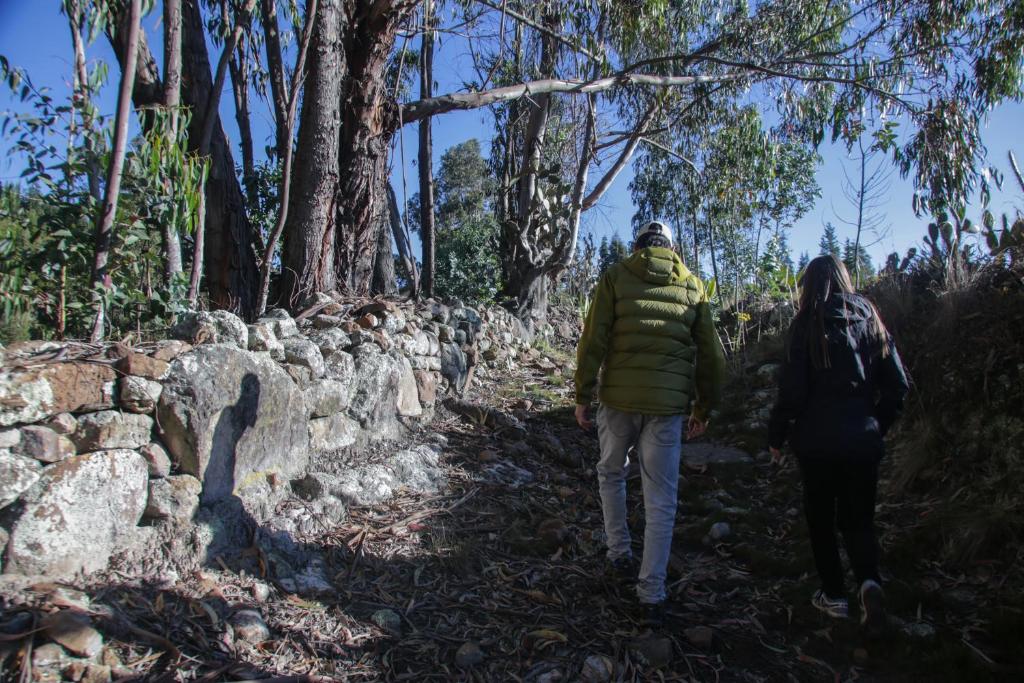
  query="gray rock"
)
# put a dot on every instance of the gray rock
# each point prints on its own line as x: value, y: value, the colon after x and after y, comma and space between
x: 32, y: 394
x: 111, y: 429
x: 63, y: 423
x: 419, y: 469
x: 331, y: 341
x: 157, y: 460
x: 175, y: 498
x: 45, y: 445
x: 329, y: 434
x: 426, y: 363
x: 195, y: 327
x: 446, y: 334
x: 230, y: 329
x: 433, y: 344
x: 281, y: 323
x: 77, y: 513
x: 469, y: 655
x: 597, y: 669
x: 138, y: 394
x: 250, y: 627
x: 461, y: 337
x: 17, y: 475
x: 653, y: 651
x: 326, y: 397
x: 4, y: 537
x: 341, y: 366
x: 303, y: 352
x: 324, y: 321
x: 375, y: 392
x: 227, y: 414
x: 699, y: 454
x: 719, y: 531
x: 393, y: 321
x: 388, y: 620
x: 408, y: 390
x: 453, y: 365
x: 262, y: 338
x: 10, y: 439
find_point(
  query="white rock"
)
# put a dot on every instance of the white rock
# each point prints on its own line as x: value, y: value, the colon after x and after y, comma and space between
x: 17, y: 475
x: 77, y: 513
x: 138, y: 394
x: 303, y: 352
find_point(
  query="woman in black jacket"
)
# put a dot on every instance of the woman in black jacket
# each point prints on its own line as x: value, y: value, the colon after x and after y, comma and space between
x: 842, y: 388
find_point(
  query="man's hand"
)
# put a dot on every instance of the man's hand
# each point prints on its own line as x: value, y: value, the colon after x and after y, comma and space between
x: 695, y: 427
x: 777, y: 457
x: 583, y: 417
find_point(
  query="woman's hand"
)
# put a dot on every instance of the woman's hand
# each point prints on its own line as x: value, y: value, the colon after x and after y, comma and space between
x: 777, y: 457
x: 695, y: 427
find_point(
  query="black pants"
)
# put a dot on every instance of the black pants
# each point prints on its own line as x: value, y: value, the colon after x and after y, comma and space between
x: 841, y: 493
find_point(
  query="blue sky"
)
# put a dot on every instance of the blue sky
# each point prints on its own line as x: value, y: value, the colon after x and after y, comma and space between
x: 34, y: 35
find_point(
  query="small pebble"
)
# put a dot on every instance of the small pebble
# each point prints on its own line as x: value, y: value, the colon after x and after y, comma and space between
x: 469, y: 655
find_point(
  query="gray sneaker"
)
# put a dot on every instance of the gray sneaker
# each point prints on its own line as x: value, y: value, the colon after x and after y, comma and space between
x: 837, y: 608
x: 872, y: 609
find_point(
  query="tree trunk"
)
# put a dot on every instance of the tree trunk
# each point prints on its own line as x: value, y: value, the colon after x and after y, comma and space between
x: 426, y: 159
x: 231, y: 263
x: 239, y: 68
x: 384, y: 281
x: 172, y: 100
x: 307, y: 258
x: 82, y: 92
x: 275, y: 65
x: 402, y: 242
x: 228, y: 256
x: 369, y: 121
x: 105, y: 225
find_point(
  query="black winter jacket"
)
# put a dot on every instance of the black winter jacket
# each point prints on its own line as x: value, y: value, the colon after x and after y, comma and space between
x: 842, y: 411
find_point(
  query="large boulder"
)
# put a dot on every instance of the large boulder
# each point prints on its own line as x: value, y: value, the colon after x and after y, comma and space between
x: 228, y: 414
x: 301, y: 351
x: 77, y: 513
x: 202, y: 327
x: 33, y: 394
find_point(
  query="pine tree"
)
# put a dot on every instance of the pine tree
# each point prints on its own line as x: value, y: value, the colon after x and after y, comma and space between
x: 829, y: 243
x: 867, y: 269
x: 804, y: 260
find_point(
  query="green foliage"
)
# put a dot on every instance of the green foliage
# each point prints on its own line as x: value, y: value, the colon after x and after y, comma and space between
x: 861, y: 261
x: 611, y: 252
x: 829, y: 243
x: 467, y: 263
x: 466, y: 245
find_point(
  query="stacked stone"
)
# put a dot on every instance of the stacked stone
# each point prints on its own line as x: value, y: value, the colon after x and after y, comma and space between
x: 92, y: 445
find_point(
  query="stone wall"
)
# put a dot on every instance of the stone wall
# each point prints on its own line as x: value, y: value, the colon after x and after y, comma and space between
x: 188, y: 442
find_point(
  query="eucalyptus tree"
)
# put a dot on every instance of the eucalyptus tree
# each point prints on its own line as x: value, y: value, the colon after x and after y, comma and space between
x: 582, y: 85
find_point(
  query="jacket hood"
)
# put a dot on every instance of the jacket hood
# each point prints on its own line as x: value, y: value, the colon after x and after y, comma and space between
x: 848, y: 309
x: 657, y: 265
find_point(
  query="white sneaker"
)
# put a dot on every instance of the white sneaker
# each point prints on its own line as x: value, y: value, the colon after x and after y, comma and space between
x: 837, y: 608
x: 872, y: 608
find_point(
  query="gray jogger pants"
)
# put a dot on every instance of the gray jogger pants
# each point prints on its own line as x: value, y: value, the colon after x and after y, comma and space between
x: 658, y: 439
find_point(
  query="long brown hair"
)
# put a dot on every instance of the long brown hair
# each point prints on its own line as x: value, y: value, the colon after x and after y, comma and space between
x: 824, y: 276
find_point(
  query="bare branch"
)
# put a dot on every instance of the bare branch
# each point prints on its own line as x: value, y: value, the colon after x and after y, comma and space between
x: 538, y: 27
x: 414, y: 111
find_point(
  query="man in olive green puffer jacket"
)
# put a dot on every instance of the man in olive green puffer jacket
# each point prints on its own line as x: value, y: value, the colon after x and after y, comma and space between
x: 650, y: 327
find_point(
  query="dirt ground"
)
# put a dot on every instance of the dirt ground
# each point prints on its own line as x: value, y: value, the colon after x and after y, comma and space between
x: 501, y: 578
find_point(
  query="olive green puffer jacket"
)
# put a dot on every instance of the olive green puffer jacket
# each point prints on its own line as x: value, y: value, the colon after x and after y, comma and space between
x: 650, y: 326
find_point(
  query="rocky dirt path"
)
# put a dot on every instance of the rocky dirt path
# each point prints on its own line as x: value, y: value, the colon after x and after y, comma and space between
x: 500, y: 578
